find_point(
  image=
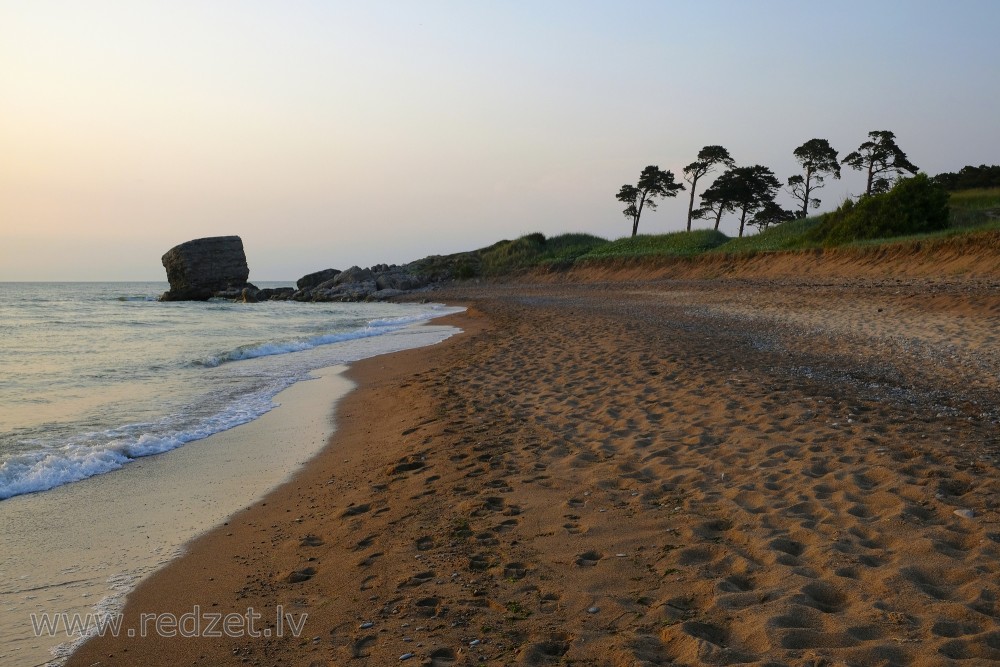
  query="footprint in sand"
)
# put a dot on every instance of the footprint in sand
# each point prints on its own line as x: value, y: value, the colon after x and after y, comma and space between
x: 545, y: 652
x: 589, y: 558
x: 548, y: 603
x: 360, y: 648
x: 298, y: 576
x: 355, y: 510
x: 479, y: 563
x: 736, y: 583
x: 486, y: 540
x: 442, y: 657
x: 500, y: 485
x: 368, y: 562
x: 406, y: 464
x: 822, y: 596
x: 789, y: 550
x: 504, y: 526
x: 514, y: 571
x: 418, y: 579
x: 364, y: 543
x: 427, y: 607
x: 311, y: 540
x: 938, y: 583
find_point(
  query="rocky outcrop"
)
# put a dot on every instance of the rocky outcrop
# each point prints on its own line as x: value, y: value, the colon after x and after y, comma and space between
x: 375, y: 283
x: 197, y: 270
x: 275, y: 293
x: 354, y: 275
x: 217, y: 267
x: 311, y: 280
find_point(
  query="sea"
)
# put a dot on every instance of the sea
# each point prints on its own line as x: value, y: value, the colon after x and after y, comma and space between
x: 107, y: 398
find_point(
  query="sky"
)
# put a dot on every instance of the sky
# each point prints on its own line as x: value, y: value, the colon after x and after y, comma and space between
x: 331, y: 134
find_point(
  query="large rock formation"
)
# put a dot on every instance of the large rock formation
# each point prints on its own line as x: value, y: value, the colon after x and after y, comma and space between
x: 200, y: 268
x: 376, y: 283
x: 313, y: 279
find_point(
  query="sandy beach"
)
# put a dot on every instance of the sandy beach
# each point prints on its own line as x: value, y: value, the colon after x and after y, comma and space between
x: 764, y: 472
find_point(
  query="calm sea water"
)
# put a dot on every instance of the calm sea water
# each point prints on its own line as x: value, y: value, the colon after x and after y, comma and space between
x: 95, y: 375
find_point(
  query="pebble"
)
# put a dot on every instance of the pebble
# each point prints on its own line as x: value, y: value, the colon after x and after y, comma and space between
x: 406, y: 656
x: 367, y: 624
x: 474, y: 642
x: 593, y: 610
x: 965, y: 514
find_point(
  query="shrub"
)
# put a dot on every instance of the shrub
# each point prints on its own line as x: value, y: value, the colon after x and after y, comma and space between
x: 913, y: 206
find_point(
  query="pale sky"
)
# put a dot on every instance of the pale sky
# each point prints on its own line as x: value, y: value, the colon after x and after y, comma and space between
x: 331, y: 133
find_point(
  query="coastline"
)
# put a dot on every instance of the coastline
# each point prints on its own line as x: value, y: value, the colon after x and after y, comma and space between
x: 209, y: 571
x: 80, y: 548
x: 689, y: 472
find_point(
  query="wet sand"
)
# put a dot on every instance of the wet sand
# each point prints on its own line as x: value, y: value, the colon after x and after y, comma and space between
x: 677, y: 472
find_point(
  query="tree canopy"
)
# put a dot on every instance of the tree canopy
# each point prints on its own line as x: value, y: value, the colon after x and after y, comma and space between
x: 817, y: 157
x: 746, y: 190
x: 882, y: 159
x: 654, y: 183
x: 715, y: 202
x: 970, y: 177
x: 750, y: 191
x: 708, y: 158
x: 771, y: 213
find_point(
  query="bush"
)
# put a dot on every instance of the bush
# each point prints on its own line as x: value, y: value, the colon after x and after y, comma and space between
x: 914, y: 206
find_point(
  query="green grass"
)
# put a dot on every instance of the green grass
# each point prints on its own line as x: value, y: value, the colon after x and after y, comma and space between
x: 677, y: 244
x: 929, y: 236
x: 970, y: 211
x: 533, y: 250
x: 786, y: 236
x: 975, y: 208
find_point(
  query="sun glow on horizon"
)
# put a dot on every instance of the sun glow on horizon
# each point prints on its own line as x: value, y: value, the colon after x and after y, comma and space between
x: 331, y: 134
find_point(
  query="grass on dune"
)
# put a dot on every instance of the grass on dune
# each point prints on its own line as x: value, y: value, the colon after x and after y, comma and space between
x: 676, y: 244
x: 534, y: 249
x: 975, y: 208
x: 970, y: 211
x: 786, y: 236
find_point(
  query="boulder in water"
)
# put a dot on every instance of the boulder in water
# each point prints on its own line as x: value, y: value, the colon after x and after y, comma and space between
x: 198, y: 269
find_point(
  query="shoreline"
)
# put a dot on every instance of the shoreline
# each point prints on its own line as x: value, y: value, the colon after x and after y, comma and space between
x: 101, y: 535
x: 673, y: 472
x: 173, y: 576
x: 79, y: 549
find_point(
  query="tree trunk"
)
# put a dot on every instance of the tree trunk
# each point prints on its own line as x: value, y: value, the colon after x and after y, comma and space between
x: 718, y: 219
x: 694, y: 184
x: 743, y: 222
x: 635, y: 223
x: 805, y: 200
x: 871, y: 166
